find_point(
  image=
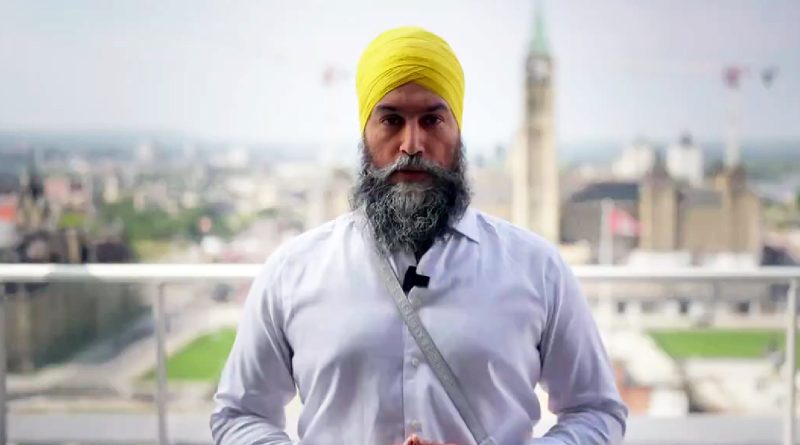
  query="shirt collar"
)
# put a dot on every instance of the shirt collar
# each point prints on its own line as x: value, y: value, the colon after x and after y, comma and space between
x: 467, y: 225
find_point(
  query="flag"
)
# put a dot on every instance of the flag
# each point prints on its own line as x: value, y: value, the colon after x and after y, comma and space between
x: 732, y: 76
x: 8, y: 208
x: 623, y: 223
x: 768, y: 76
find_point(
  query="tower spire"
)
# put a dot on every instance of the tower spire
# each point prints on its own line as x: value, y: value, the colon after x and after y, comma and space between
x: 535, y: 175
x: 539, y: 43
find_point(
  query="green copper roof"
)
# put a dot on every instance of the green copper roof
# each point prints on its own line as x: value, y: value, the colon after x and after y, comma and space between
x: 539, y: 44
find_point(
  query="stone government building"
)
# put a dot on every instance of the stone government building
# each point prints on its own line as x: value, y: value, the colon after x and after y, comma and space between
x: 47, y: 322
x: 723, y: 217
x: 678, y: 210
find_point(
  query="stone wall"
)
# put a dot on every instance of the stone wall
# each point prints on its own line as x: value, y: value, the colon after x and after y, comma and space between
x: 47, y: 323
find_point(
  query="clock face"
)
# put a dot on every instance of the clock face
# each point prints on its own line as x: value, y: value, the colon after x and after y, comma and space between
x: 540, y: 68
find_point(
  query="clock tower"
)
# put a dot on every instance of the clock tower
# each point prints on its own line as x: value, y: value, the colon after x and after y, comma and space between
x: 535, y: 168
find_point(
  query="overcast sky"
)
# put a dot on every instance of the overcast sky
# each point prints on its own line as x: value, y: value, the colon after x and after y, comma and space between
x: 252, y: 70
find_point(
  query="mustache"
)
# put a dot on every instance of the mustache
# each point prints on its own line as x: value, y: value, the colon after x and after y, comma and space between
x: 414, y: 163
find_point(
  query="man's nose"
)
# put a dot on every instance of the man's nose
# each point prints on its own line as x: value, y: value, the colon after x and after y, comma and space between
x: 413, y: 139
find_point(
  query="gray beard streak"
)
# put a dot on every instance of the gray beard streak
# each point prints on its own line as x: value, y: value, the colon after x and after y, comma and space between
x: 410, y: 216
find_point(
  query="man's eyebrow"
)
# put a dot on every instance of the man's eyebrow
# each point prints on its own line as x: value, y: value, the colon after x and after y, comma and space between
x: 438, y: 107
x: 386, y: 108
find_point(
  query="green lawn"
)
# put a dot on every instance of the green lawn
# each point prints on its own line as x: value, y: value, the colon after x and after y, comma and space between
x: 202, y: 359
x: 718, y: 343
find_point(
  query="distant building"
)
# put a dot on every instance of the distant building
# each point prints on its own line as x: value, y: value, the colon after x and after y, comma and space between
x: 328, y: 196
x: 145, y: 153
x: 725, y: 218
x: 111, y: 189
x: 58, y: 190
x: 237, y: 157
x: 47, y: 321
x: 491, y: 187
x: 659, y: 211
x: 8, y: 220
x: 582, y: 215
x: 535, y: 172
x: 719, y: 224
x: 685, y: 161
x: 635, y: 161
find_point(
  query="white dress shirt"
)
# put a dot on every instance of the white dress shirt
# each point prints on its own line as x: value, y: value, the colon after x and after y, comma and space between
x: 501, y: 305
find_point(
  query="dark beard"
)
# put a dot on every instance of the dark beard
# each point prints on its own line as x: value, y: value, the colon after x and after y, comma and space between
x: 410, y: 216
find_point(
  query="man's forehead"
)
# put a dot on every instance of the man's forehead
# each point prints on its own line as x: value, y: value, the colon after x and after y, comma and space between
x: 411, y: 97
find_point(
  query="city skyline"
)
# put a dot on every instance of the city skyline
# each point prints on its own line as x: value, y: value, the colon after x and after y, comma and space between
x: 254, y: 72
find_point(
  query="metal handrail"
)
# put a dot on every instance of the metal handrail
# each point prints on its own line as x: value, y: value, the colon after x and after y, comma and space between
x: 143, y: 273
x: 161, y: 274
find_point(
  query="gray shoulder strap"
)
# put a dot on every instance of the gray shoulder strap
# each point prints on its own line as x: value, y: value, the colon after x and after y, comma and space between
x: 440, y: 367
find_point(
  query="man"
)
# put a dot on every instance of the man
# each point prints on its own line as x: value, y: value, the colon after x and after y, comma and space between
x: 499, y: 302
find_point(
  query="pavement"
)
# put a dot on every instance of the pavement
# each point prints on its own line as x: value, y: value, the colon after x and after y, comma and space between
x: 737, y: 386
x: 644, y: 360
x: 731, y: 386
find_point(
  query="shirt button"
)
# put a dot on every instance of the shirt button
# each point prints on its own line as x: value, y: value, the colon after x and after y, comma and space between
x: 414, y: 362
x: 415, y: 425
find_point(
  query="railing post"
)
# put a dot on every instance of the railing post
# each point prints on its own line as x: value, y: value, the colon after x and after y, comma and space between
x: 3, y: 370
x: 716, y: 297
x: 791, y: 361
x: 161, y: 366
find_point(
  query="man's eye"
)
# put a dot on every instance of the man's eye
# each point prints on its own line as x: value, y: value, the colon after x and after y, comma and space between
x: 431, y: 120
x: 392, y: 119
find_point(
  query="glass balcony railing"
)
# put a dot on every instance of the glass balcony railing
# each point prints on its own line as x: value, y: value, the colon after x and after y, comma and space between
x: 129, y: 354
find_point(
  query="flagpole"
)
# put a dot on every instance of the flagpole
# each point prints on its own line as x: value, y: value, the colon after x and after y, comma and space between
x: 605, y: 256
x: 606, y: 248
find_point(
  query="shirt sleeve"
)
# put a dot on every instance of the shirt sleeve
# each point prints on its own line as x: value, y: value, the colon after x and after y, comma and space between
x: 576, y: 372
x: 256, y: 382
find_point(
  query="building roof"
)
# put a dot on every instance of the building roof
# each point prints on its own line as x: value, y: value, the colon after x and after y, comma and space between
x: 614, y: 190
x: 9, y: 183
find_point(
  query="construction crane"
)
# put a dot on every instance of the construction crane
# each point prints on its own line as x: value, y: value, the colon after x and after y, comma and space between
x: 732, y: 76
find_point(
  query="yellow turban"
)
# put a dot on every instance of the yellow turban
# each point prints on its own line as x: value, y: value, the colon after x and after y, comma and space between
x: 404, y: 55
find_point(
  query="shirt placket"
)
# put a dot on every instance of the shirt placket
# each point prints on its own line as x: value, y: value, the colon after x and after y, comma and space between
x: 413, y: 359
x: 412, y: 362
